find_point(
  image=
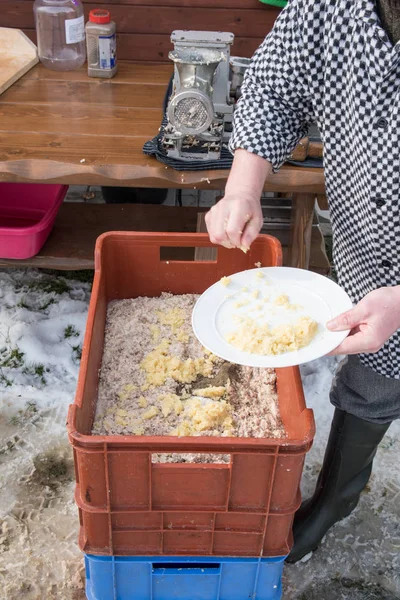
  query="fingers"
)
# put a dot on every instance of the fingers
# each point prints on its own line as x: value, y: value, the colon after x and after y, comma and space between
x: 350, y: 345
x: 216, y: 223
x: 235, y: 226
x: 251, y: 231
x: 349, y: 319
x: 358, y: 343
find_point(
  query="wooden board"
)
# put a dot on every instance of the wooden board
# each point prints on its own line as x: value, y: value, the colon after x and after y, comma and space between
x: 72, y: 241
x: 18, y: 55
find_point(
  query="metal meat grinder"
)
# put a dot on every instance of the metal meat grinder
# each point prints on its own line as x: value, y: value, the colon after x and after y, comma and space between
x: 206, y: 87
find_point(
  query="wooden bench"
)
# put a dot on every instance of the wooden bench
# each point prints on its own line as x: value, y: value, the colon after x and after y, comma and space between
x: 67, y: 128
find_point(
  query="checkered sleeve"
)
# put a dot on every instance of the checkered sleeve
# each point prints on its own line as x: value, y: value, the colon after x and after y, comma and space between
x: 274, y: 111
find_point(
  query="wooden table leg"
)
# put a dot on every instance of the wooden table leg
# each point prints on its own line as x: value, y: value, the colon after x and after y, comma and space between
x: 301, y: 229
x: 322, y: 202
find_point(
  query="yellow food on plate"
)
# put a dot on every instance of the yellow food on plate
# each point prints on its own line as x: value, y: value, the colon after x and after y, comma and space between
x: 261, y: 339
x: 225, y: 281
x: 242, y: 303
x: 284, y: 301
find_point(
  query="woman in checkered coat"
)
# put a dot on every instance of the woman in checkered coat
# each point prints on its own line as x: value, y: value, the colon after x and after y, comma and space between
x: 337, y: 63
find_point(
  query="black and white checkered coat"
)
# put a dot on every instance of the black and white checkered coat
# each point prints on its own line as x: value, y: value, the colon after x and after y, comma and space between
x: 331, y: 61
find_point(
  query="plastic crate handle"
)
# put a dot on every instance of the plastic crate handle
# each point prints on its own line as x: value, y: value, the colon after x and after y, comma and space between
x: 191, y: 568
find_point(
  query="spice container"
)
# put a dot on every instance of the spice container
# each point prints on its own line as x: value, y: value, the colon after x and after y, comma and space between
x: 101, y: 44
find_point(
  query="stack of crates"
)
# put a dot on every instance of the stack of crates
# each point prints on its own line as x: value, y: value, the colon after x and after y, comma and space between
x: 156, y: 531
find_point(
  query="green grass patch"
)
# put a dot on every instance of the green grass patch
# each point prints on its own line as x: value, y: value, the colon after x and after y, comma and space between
x: 70, y: 331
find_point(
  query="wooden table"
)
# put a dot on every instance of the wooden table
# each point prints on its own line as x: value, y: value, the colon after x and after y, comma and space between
x: 67, y: 128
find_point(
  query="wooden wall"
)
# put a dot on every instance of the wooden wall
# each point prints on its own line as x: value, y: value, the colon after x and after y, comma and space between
x: 144, y: 26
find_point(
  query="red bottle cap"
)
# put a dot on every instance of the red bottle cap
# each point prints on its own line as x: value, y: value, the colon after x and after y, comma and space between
x: 100, y: 16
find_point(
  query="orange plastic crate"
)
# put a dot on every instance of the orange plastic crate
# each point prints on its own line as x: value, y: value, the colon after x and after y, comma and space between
x: 130, y: 506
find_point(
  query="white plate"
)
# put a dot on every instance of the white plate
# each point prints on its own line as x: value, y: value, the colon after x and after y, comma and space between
x: 318, y: 297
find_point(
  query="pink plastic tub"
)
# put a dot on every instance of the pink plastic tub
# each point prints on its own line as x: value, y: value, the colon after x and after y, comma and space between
x: 27, y: 215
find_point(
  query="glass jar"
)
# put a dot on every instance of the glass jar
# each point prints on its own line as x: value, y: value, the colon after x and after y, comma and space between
x: 60, y: 28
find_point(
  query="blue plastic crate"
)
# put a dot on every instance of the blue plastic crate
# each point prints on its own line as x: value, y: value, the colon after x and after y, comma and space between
x: 183, y: 578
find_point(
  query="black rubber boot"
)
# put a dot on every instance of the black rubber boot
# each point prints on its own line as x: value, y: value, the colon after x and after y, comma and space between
x: 345, y: 472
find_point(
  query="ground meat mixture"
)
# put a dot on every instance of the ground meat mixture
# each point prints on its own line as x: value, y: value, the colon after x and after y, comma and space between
x: 157, y: 379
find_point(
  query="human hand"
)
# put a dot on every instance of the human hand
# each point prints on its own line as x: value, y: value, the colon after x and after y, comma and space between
x: 235, y: 221
x: 372, y: 322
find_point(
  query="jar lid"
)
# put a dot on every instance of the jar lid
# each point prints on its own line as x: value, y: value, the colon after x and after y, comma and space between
x: 100, y: 16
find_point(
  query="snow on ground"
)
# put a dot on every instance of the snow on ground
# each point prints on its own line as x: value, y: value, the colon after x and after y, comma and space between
x: 42, y: 320
x: 360, y: 557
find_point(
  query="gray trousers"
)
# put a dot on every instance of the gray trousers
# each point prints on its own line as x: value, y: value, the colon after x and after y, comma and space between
x: 362, y: 392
